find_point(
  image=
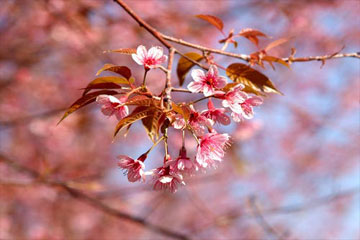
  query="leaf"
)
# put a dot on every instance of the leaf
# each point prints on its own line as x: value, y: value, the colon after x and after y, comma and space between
x: 127, y: 51
x: 184, y: 110
x: 245, y: 89
x: 122, y: 70
x: 185, y: 65
x: 251, y: 78
x: 109, y: 79
x: 276, y: 43
x: 142, y: 100
x: 133, y: 117
x: 101, y: 86
x: 217, y: 22
x: 153, y: 122
x: 252, y: 35
x: 85, y: 100
x: 275, y: 59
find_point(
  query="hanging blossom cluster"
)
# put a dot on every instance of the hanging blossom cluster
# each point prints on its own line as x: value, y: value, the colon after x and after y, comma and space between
x: 158, y: 115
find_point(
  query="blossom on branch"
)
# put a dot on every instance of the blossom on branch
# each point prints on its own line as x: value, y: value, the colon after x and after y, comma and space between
x: 211, y: 149
x: 247, y: 108
x: 113, y: 106
x: 183, y: 164
x: 133, y: 168
x: 167, y: 179
x: 206, y: 82
x: 150, y: 59
x: 216, y: 114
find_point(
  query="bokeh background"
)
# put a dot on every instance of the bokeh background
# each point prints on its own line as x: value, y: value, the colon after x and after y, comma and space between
x: 292, y: 172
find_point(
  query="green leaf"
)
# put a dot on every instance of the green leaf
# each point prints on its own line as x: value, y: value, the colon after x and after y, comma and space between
x: 251, y: 78
x: 122, y: 70
x: 85, y: 100
x: 185, y: 65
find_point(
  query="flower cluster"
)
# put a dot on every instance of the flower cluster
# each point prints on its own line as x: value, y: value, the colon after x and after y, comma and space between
x: 211, y: 145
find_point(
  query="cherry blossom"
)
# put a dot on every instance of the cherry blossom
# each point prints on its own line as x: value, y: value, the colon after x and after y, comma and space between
x: 183, y: 164
x: 216, y: 114
x: 133, y: 168
x: 150, y: 59
x: 233, y: 97
x: 211, y: 148
x: 247, y: 108
x: 113, y: 106
x: 167, y: 179
x: 206, y: 82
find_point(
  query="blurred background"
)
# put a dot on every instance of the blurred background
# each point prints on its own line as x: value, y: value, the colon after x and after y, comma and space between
x: 292, y: 172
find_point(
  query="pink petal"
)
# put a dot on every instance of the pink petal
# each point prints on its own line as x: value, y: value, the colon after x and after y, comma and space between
x: 254, y: 101
x: 137, y: 59
x: 155, y: 52
x: 141, y: 52
x: 195, y: 86
x: 198, y: 75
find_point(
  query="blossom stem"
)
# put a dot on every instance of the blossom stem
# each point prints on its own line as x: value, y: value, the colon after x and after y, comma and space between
x: 154, y: 145
x: 183, y: 138
x: 200, y: 99
x: 146, y: 71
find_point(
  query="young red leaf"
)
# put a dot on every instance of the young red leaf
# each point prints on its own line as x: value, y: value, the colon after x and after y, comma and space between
x: 251, y: 78
x: 271, y: 59
x: 252, y: 35
x: 131, y: 118
x: 276, y: 43
x: 85, y: 100
x: 142, y: 100
x: 109, y: 79
x: 185, y: 65
x: 108, y: 85
x: 122, y: 70
x: 153, y: 122
x: 217, y: 22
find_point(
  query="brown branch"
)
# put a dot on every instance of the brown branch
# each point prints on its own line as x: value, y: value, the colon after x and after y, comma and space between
x: 142, y: 23
x: 322, y: 58
x: 95, y: 203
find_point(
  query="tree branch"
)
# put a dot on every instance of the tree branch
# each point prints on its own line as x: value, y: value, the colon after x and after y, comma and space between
x: 93, y: 202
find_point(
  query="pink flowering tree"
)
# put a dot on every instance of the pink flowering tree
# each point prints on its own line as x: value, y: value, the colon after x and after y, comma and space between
x: 236, y: 139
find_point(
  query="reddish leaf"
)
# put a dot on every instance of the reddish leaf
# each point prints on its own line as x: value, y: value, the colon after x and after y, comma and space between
x: 122, y: 70
x: 271, y: 59
x: 217, y: 22
x: 185, y: 65
x: 251, y: 78
x: 109, y: 79
x: 85, y: 100
x: 153, y: 122
x: 142, y: 100
x: 252, y: 35
x: 276, y: 43
x: 131, y: 118
x: 101, y: 86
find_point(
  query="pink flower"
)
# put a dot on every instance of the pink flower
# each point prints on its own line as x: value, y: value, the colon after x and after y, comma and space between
x: 247, y: 108
x: 216, y: 114
x: 165, y: 179
x: 207, y: 83
x: 111, y: 105
x: 179, y: 122
x: 133, y: 168
x: 150, y: 59
x: 183, y: 164
x: 198, y: 123
x: 233, y: 97
x: 211, y: 149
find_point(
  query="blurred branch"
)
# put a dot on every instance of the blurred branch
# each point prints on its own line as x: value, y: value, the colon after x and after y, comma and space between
x: 262, y: 221
x: 26, y: 119
x: 91, y: 201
